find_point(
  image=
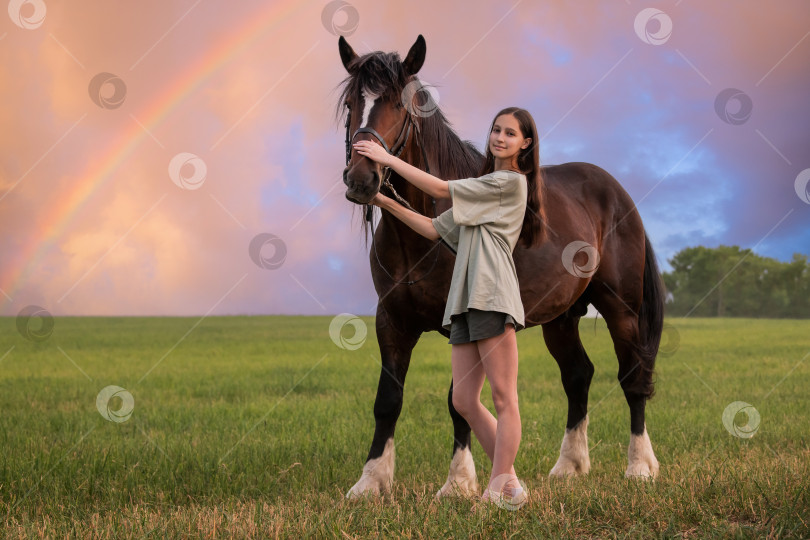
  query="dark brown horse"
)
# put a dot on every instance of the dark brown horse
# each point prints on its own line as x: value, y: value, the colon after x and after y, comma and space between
x: 595, y: 252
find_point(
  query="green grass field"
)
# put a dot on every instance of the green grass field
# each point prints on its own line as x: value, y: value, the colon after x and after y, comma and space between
x: 257, y: 427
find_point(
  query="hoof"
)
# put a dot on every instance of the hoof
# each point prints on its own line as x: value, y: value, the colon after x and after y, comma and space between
x: 641, y: 461
x: 642, y: 471
x: 574, y: 459
x: 378, y: 475
x: 566, y: 467
x: 365, y: 487
x: 462, y: 480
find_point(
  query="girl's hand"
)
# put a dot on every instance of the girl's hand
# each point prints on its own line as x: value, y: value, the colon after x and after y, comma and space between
x: 373, y: 151
x: 380, y: 200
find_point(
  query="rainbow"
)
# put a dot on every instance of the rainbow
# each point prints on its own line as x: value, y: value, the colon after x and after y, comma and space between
x: 100, y: 171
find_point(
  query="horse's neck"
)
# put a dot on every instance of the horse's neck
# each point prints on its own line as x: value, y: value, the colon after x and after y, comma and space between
x: 418, y: 153
x: 418, y: 199
x: 451, y: 156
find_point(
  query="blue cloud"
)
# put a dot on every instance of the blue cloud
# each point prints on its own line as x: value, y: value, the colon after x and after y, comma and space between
x: 335, y: 263
x: 291, y: 154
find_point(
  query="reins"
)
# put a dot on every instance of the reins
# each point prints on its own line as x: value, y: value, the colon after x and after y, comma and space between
x: 385, y: 182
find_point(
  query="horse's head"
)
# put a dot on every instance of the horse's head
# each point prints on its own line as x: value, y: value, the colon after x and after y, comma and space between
x: 376, y: 96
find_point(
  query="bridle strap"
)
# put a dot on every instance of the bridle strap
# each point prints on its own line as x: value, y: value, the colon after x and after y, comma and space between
x: 348, y: 142
x: 374, y: 133
x: 403, y: 202
x: 406, y: 130
x: 403, y: 136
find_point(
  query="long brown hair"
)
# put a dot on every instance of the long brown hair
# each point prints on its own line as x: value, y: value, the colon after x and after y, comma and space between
x: 533, y: 231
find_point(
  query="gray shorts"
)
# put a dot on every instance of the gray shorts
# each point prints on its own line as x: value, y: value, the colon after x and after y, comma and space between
x: 476, y: 324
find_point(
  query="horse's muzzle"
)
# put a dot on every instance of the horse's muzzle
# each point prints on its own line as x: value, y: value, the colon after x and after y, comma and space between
x: 362, y: 186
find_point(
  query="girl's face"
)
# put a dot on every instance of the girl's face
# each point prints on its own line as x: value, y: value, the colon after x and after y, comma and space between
x: 506, y: 140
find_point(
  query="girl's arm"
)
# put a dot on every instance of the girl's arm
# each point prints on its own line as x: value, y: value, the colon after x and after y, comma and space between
x: 419, y: 223
x: 435, y: 187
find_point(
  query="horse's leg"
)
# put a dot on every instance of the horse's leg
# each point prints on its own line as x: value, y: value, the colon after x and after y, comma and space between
x: 395, y: 351
x: 462, y: 479
x: 635, y: 377
x: 576, y: 370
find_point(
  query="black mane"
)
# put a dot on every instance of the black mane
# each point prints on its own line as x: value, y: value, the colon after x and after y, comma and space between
x: 378, y: 72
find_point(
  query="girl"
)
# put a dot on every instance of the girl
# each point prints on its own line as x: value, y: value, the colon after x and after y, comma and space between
x: 484, y: 309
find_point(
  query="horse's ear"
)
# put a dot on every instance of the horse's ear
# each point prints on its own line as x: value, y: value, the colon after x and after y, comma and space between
x: 347, y: 54
x: 416, y: 57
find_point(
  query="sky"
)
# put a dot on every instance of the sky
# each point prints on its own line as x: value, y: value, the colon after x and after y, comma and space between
x: 146, y: 146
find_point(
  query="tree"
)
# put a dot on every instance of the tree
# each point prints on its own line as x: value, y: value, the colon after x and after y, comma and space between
x: 728, y: 281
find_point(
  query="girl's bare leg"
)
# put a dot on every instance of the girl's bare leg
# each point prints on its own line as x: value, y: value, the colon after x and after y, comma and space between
x: 499, y: 357
x: 471, y: 363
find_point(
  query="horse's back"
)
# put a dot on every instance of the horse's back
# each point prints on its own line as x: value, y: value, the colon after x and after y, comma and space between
x: 584, y: 192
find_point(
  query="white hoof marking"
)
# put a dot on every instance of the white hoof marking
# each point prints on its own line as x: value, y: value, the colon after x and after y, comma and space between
x: 641, y: 462
x: 378, y: 474
x: 462, y: 480
x: 574, y: 458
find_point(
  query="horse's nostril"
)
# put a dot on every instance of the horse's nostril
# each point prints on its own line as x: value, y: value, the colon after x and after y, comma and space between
x: 346, y: 176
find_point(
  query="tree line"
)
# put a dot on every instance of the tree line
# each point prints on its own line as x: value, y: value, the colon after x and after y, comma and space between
x: 731, y: 282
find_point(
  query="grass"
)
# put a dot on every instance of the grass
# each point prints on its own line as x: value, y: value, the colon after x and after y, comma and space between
x: 257, y: 427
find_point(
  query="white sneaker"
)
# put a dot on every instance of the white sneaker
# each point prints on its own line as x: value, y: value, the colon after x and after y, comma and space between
x: 508, y: 499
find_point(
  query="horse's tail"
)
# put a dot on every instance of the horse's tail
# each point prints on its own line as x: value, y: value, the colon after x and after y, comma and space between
x: 650, y: 321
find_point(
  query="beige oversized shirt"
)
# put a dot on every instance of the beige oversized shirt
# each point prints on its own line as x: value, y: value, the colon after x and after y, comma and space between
x: 483, y: 227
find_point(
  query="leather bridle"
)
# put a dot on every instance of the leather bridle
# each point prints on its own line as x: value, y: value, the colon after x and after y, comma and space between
x: 400, y: 142
x: 406, y: 129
